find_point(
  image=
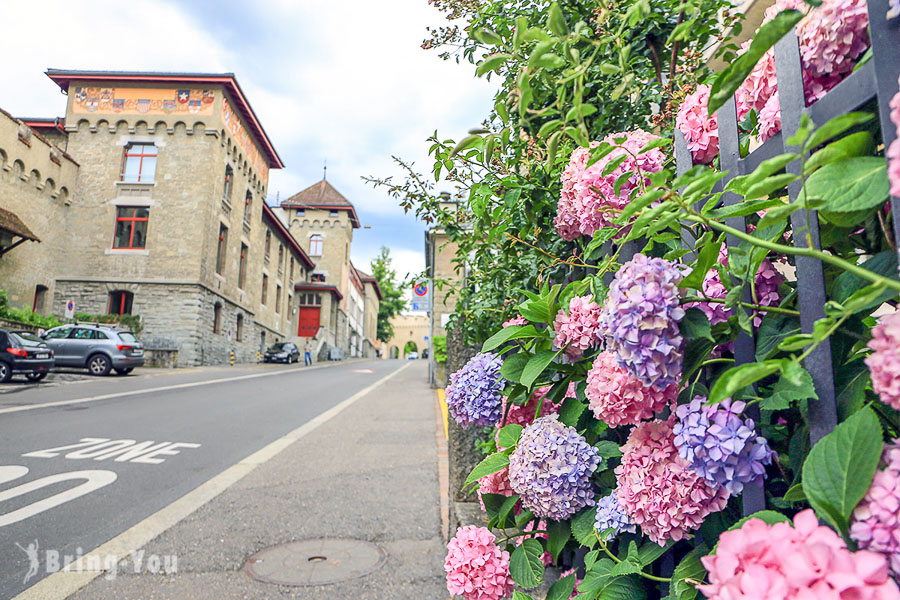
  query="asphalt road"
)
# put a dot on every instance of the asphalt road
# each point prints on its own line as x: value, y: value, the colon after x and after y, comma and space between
x: 210, y: 419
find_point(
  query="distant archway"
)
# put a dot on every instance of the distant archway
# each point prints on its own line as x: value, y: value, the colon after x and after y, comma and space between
x: 410, y: 346
x: 394, y: 352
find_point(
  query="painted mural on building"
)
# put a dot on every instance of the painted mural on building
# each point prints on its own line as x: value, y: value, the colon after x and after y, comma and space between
x: 242, y: 138
x: 136, y: 101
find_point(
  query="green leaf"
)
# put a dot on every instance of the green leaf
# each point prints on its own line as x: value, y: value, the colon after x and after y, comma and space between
x: 654, y: 143
x: 536, y: 365
x: 493, y: 463
x: 860, y: 143
x: 466, y: 142
x: 737, y: 378
x: 846, y: 284
x: 742, y: 183
x: 695, y: 324
x: 650, y: 551
x: 850, y: 381
x: 525, y: 564
x: 506, y: 509
x: 706, y: 258
x: 583, y: 527
x: 835, y: 127
x: 690, y: 569
x: 517, y: 595
x: 785, y: 391
x: 570, y: 411
x: 510, y: 333
x: 549, y: 127
x: 770, y: 184
x: 509, y: 435
x: 731, y: 78
x: 558, y: 533
x: 550, y: 61
x: 557, y: 21
x: 623, y: 588
x: 775, y: 327
x: 491, y: 63
x: 795, y: 493
x: 513, y: 366
x: 562, y: 588
x: 742, y: 209
x: 850, y: 185
x: 839, y: 469
x: 485, y: 35
x: 608, y: 449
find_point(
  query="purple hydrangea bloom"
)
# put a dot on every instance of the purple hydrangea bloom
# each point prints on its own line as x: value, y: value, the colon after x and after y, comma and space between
x: 611, y: 516
x: 473, y: 396
x: 640, y: 320
x: 551, y: 469
x: 720, y: 445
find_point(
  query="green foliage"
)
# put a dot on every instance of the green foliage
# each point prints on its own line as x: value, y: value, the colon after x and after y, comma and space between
x: 439, y: 343
x: 392, y: 301
x: 130, y: 322
x: 24, y: 315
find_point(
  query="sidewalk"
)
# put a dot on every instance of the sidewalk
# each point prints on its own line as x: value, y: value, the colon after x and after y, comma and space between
x: 369, y: 474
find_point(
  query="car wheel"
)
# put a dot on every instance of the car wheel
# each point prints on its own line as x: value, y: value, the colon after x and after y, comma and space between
x: 124, y: 371
x: 36, y: 376
x: 99, y: 365
x: 290, y: 359
x: 5, y: 372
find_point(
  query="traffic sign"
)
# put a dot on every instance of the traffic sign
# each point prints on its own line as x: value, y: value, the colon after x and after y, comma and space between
x: 421, y: 289
x: 70, y: 309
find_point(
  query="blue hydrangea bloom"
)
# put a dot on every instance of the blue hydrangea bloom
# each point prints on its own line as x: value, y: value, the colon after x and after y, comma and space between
x: 720, y: 445
x: 611, y: 516
x: 474, y: 395
x: 640, y: 319
x: 551, y: 469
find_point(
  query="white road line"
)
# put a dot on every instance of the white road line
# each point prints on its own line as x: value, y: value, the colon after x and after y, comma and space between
x: 62, y: 584
x: 164, y: 388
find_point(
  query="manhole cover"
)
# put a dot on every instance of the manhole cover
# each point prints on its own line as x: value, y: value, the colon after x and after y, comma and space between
x: 315, y: 562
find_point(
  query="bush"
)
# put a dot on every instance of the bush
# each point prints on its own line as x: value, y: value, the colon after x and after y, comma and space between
x: 440, y: 349
x: 130, y: 322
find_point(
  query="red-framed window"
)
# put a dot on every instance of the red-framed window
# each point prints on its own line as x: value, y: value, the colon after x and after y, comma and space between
x: 120, y: 302
x: 242, y: 271
x: 248, y: 202
x: 315, y: 245
x: 265, y: 288
x: 40, y: 298
x: 317, y: 277
x: 223, y: 244
x: 139, y: 163
x: 131, y: 227
x: 229, y: 183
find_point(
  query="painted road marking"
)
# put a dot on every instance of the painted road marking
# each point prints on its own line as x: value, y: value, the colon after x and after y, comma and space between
x: 122, y: 450
x: 62, y: 584
x: 164, y: 388
x: 369, y: 371
x: 93, y: 480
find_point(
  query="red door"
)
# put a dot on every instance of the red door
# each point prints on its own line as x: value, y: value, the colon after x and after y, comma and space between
x: 308, y: 321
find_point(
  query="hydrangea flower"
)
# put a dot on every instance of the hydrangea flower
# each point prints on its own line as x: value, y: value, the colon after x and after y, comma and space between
x: 517, y: 320
x: 617, y: 398
x: 578, y: 330
x: 893, y: 9
x: 551, y: 469
x: 476, y: 568
x: 699, y: 128
x: 876, y: 519
x: 611, y: 516
x: 658, y: 489
x: 805, y: 562
x: 473, y: 396
x: 640, y: 320
x: 720, y: 445
x: 595, y: 199
x: 770, y: 118
x: 759, y: 86
x: 893, y: 152
x: 523, y: 414
x: 833, y: 36
x: 567, y: 222
x: 495, y: 483
x: 884, y: 362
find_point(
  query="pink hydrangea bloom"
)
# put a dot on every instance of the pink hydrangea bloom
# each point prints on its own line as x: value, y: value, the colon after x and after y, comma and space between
x: 893, y: 152
x: 884, y: 362
x: 617, y: 398
x: 476, y: 568
x: 523, y: 414
x: 805, y: 562
x: 567, y: 222
x: 578, y: 330
x: 517, y: 320
x: 833, y: 36
x: 658, y: 489
x: 876, y: 519
x: 596, y: 201
x: 495, y: 483
x: 770, y: 118
x: 699, y: 128
x: 759, y: 86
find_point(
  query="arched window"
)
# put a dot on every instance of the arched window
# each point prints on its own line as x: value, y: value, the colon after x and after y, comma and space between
x: 139, y: 163
x: 239, y: 329
x: 217, y: 317
x: 120, y: 302
x: 315, y: 245
x: 229, y: 183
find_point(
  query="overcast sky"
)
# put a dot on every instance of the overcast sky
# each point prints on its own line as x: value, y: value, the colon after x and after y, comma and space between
x: 342, y: 80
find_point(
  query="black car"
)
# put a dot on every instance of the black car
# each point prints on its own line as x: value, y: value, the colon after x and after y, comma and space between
x: 22, y: 352
x: 285, y: 352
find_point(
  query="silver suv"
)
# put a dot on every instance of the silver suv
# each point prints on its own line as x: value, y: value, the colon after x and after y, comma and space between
x: 96, y: 347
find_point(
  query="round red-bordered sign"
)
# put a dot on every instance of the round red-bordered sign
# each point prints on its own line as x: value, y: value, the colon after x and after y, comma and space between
x: 421, y: 289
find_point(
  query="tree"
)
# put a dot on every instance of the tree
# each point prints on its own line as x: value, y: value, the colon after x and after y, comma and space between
x: 392, y: 301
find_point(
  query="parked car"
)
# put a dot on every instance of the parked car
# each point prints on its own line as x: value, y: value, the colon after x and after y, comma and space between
x: 22, y: 352
x: 412, y: 356
x: 285, y: 352
x: 99, y: 348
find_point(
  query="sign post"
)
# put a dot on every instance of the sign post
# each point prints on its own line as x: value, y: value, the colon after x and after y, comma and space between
x: 421, y: 300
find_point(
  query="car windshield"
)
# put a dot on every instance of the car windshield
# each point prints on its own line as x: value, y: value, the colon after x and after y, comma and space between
x: 276, y: 347
x: 127, y: 336
x: 27, y: 339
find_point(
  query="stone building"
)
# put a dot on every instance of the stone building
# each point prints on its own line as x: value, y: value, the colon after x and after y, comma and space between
x: 161, y: 214
x: 339, y: 303
x: 409, y: 329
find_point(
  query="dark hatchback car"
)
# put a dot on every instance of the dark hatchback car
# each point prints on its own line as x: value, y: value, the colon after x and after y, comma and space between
x: 285, y: 352
x: 23, y: 353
